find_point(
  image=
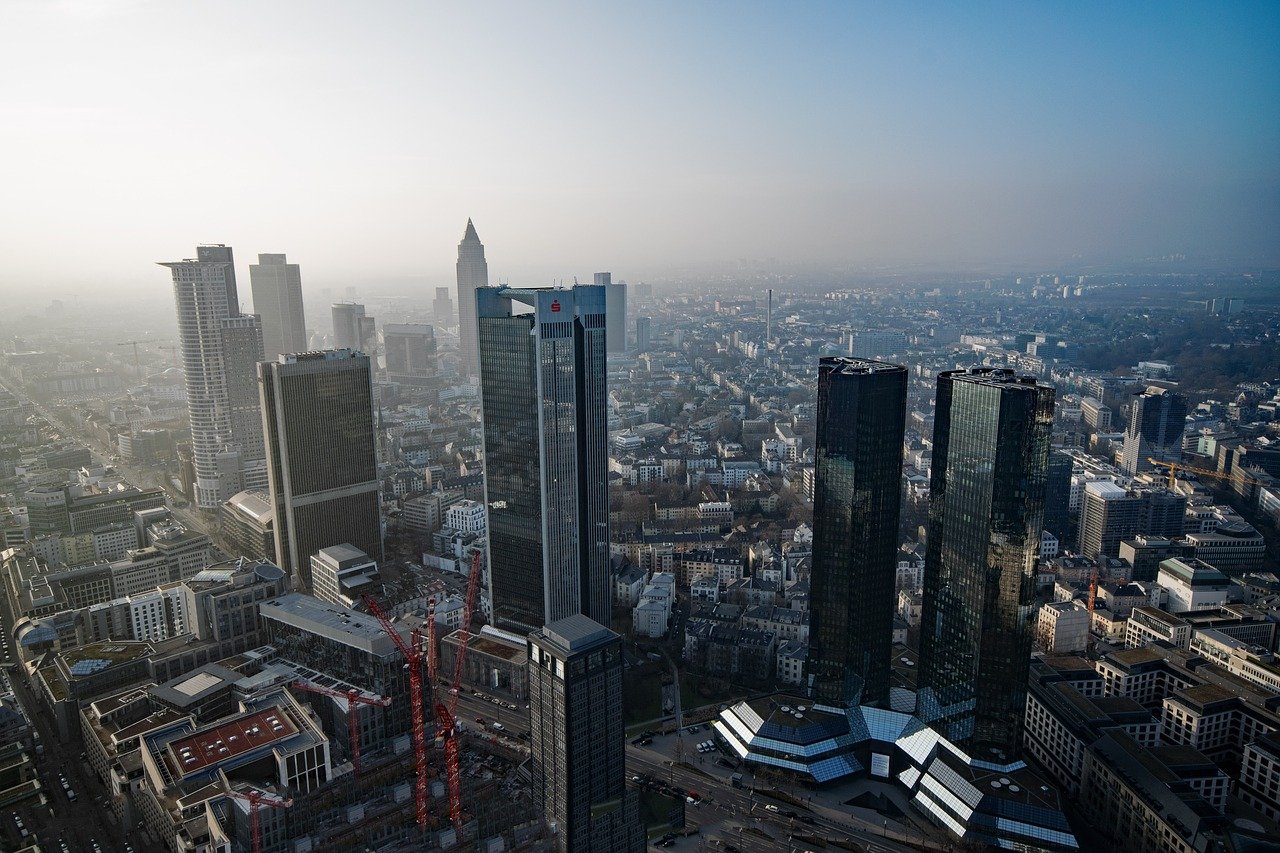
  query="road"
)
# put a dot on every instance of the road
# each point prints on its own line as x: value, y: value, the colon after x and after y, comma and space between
x: 725, y: 809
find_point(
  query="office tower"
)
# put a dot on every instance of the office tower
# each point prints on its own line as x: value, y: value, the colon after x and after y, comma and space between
x: 857, y: 497
x: 1057, y: 496
x: 473, y: 273
x: 351, y: 328
x: 615, y: 301
x: 876, y: 344
x: 217, y: 345
x: 317, y: 413
x: 277, y: 299
x: 241, y: 352
x: 442, y: 307
x: 576, y: 737
x: 1110, y: 514
x: 768, y: 319
x: 986, y: 512
x: 1156, y: 425
x: 543, y: 394
x: 644, y: 333
x: 410, y: 350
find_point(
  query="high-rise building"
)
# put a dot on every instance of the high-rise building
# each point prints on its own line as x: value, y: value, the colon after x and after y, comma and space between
x: 857, y: 498
x: 241, y: 352
x: 1156, y: 425
x: 317, y: 413
x: 277, y: 299
x: 442, y: 307
x: 217, y: 346
x: 644, y: 333
x: 410, y: 350
x: 1109, y: 514
x: 577, y: 740
x: 352, y: 328
x: 986, y: 510
x: 473, y: 273
x: 1057, y: 496
x: 615, y: 302
x: 544, y: 396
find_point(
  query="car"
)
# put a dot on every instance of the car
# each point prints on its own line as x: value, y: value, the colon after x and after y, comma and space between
x: 770, y: 807
x: 671, y: 842
x: 646, y: 741
x: 637, y: 741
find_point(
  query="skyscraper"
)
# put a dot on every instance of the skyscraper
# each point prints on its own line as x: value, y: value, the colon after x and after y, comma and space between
x: 473, y: 273
x: 857, y: 498
x: 410, y: 350
x: 644, y: 333
x: 986, y: 508
x: 352, y: 329
x: 317, y: 413
x: 241, y: 352
x: 1156, y: 424
x: 277, y: 299
x: 544, y: 396
x: 218, y: 345
x: 615, y: 301
x: 577, y: 741
x: 442, y: 307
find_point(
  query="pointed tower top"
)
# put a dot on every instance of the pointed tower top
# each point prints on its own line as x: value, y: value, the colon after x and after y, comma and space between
x: 471, y: 232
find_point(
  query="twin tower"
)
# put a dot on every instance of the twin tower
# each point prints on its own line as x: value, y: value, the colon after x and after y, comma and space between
x: 986, y: 507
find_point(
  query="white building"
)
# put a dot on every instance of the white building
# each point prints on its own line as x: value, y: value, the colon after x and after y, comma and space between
x: 466, y: 517
x: 1193, y: 585
x: 1063, y: 627
x: 1147, y: 624
x: 790, y: 661
x: 652, y: 612
x: 1048, y: 545
x: 340, y: 573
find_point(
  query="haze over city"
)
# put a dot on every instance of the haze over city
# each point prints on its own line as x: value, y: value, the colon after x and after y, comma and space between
x: 645, y: 138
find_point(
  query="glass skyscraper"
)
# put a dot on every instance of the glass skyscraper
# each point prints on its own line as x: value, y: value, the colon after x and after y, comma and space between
x: 857, y: 498
x: 317, y: 413
x: 986, y: 507
x: 1156, y: 424
x: 544, y: 394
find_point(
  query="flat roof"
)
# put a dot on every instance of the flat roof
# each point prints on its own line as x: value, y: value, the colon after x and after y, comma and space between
x: 576, y: 633
x: 260, y: 728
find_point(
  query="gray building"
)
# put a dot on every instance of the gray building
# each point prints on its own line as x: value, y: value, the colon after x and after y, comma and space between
x: 352, y: 328
x: 442, y: 307
x: 544, y: 395
x: 577, y: 739
x: 216, y: 344
x: 1156, y: 425
x: 473, y: 273
x: 318, y: 417
x: 986, y: 508
x: 615, y: 301
x: 410, y: 351
x: 277, y: 299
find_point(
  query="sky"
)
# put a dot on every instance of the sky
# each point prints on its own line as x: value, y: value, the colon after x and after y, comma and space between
x: 633, y: 137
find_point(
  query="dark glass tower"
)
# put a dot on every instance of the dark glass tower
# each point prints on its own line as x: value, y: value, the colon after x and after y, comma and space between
x: 544, y: 394
x: 577, y: 742
x: 317, y: 415
x: 986, y: 508
x: 857, y: 498
x: 1156, y: 425
x: 1057, y: 496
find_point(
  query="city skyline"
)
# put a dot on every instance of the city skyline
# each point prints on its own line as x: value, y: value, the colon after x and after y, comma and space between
x: 841, y: 135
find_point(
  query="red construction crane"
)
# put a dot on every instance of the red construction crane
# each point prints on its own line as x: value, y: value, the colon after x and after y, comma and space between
x: 445, y: 728
x: 433, y: 648
x: 412, y: 652
x: 355, y: 698
x: 255, y: 798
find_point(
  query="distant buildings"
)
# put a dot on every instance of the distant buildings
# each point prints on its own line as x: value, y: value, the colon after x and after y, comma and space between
x: 861, y: 417
x: 352, y: 329
x: 543, y: 391
x: 577, y: 740
x: 615, y: 298
x: 318, y: 412
x: 473, y: 273
x: 277, y: 299
x: 442, y: 308
x: 410, y: 351
x: 991, y: 452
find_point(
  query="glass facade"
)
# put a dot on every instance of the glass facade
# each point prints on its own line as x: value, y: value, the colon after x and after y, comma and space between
x: 990, y: 460
x: 543, y: 389
x: 857, y: 499
x: 318, y: 423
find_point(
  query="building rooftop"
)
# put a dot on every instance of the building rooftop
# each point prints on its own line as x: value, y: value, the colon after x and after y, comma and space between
x: 195, y: 752
x: 577, y: 633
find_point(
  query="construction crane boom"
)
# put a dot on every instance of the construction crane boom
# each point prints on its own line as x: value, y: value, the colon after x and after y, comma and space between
x: 354, y: 698
x: 255, y: 798
x: 137, y: 362
x: 1175, y: 467
x: 412, y: 652
x: 446, y: 728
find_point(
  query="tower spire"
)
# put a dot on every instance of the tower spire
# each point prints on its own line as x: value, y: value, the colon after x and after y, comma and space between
x: 471, y: 232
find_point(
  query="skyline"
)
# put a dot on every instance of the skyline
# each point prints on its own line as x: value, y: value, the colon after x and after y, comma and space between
x: 358, y: 141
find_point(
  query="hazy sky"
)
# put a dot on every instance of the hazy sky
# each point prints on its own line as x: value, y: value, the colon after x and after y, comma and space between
x: 358, y: 137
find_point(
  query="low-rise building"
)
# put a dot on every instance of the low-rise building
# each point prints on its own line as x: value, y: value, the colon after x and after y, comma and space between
x: 1062, y: 627
x: 1148, y: 625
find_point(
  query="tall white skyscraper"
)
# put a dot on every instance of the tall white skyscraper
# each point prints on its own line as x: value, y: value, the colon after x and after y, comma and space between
x: 277, y: 299
x: 473, y: 272
x: 219, y: 349
x: 615, y: 312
